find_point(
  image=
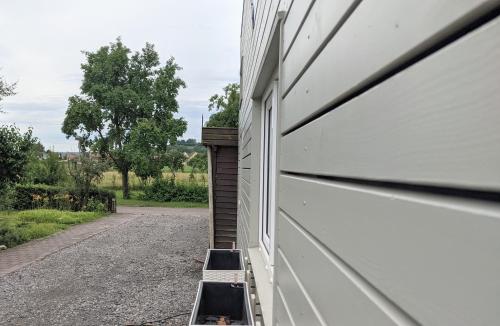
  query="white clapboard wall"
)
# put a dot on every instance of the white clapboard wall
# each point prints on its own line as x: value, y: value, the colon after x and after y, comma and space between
x: 389, y: 185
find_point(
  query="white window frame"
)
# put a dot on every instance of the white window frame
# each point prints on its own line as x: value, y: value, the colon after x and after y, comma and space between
x: 267, y: 242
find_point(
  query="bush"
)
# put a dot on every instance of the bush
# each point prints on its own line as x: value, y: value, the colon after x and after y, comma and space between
x: 7, y: 194
x: 168, y: 190
x: 47, y: 171
x: 43, y: 196
x: 14, y: 154
x: 94, y: 205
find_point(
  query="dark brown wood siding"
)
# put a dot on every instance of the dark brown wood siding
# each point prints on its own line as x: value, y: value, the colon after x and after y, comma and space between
x: 219, y: 136
x: 222, y: 144
x: 225, y: 174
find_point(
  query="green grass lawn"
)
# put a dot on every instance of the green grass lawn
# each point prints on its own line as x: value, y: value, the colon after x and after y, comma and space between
x: 135, y: 201
x: 23, y: 226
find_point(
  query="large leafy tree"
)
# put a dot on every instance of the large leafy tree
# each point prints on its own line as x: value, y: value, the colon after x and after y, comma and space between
x: 6, y: 89
x: 148, y: 150
x: 121, y: 92
x: 227, y: 106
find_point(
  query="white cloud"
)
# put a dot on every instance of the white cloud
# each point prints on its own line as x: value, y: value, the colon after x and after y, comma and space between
x: 41, y: 43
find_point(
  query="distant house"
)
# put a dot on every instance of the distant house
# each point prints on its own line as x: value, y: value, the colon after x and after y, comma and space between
x: 189, y: 156
x: 72, y: 156
x: 369, y: 161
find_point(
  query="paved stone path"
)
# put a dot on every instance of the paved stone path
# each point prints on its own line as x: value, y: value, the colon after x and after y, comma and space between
x: 137, y: 267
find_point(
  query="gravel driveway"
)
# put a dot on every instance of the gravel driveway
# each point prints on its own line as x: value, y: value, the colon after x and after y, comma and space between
x: 139, y: 272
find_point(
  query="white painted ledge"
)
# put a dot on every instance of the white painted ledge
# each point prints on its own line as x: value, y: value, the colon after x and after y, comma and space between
x: 264, y: 284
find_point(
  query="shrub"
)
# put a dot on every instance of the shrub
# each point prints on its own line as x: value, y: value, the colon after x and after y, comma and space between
x: 169, y: 190
x: 7, y: 194
x: 47, y: 171
x: 14, y: 154
x: 43, y: 196
x: 94, y: 205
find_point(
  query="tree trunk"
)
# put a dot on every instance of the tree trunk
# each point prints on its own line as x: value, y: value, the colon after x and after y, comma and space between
x: 126, y: 194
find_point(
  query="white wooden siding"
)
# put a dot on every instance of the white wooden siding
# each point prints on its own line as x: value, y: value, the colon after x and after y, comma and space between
x: 317, y: 292
x: 353, y: 254
x: 245, y: 174
x: 375, y: 38
x: 324, y: 18
x: 282, y: 311
x: 300, y: 310
x: 253, y: 42
x: 435, y: 257
x: 293, y: 20
x: 436, y: 122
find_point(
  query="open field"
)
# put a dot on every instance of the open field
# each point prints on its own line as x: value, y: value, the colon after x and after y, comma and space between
x: 113, y: 179
x: 23, y: 226
x: 135, y: 201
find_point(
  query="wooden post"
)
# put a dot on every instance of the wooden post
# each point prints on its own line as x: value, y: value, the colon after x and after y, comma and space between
x: 211, y: 231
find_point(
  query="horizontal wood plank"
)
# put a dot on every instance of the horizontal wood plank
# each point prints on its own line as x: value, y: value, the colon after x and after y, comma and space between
x: 375, y: 39
x: 245, y: 174
x: 246, y: 162
x: 226, y: 196
x: 224, y: 244
x: 435, y: 257
x: 221, y: 232
x: 282, y: 313
x: 227, y: 222
x: 227, y: 159
x: 245, y: 186
x: 225, y: 210
x: 227, y: 171
x: 228, y: 205
x: 222, y: 166
x: 245, y: 150
x: 223, y: 179
x: 336, y: 299
x: 299, y: 302
x: 325, y: 17
x: 225, y: 182
x: 229, y: 239
x: 294, y: 17
x: 436, y: 123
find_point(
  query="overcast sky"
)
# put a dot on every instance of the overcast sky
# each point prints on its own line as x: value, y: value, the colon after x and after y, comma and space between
x: 41, y: 43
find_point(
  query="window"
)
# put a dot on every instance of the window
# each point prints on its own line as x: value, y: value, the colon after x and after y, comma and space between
x: 268, y: 171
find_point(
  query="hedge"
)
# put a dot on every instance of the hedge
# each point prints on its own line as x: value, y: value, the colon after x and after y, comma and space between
x: 43, y: 196
x: 167, y: 190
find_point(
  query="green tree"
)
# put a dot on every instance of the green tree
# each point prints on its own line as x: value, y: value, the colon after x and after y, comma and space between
x: 84, y: 172
x: 38, y: 150
x: 118, y: 91
x: 174, y: 160
x: 145, y: 152
x: 47, y: 171
x: 228, y: 107
x: 188, y: 142
x: 15, y: 150
x: 198, y: 163
x: 6, y: 89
